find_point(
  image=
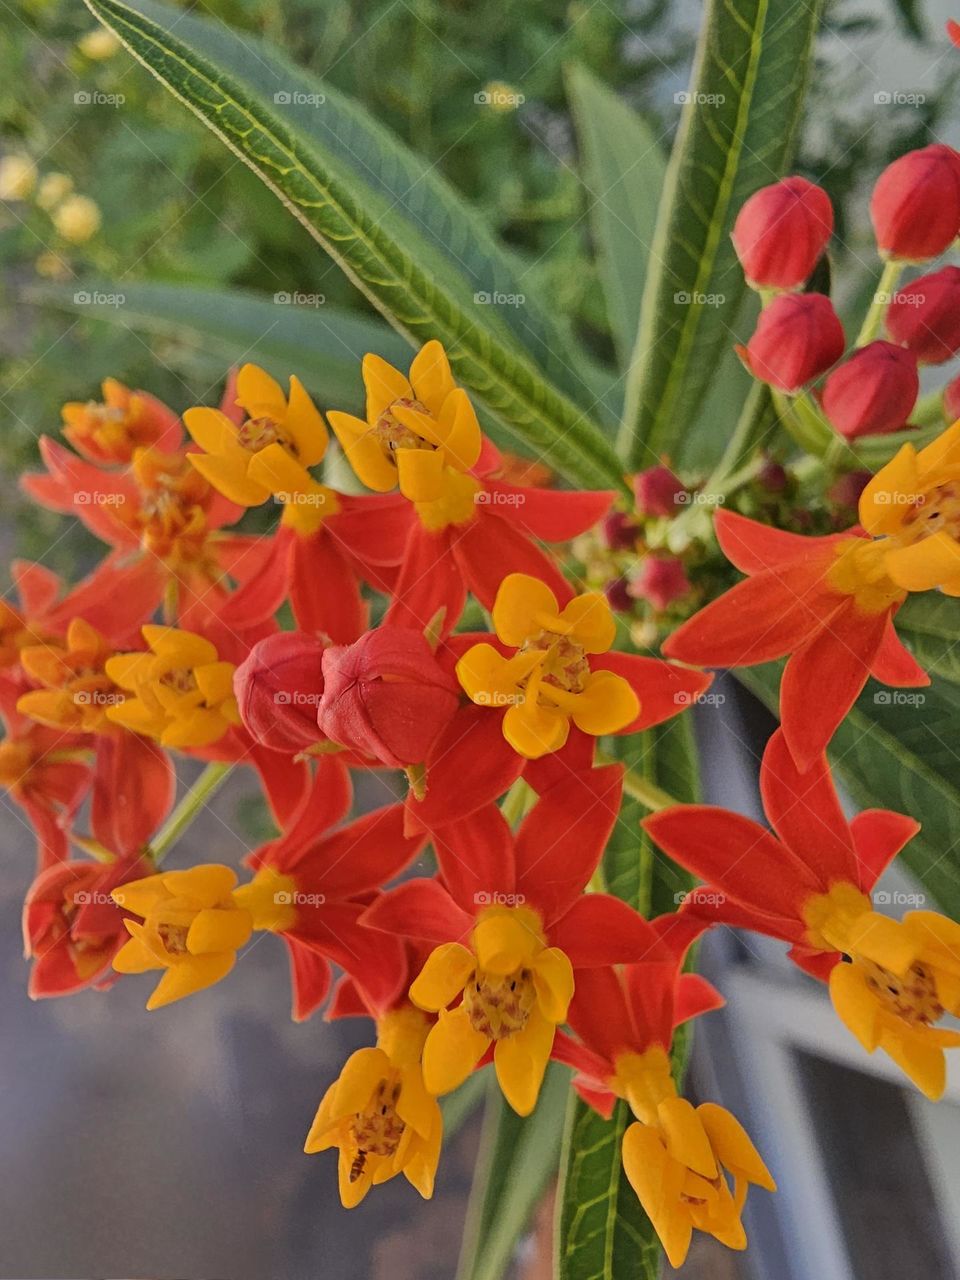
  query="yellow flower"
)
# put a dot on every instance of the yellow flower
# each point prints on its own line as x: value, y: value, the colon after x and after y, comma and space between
x: 913, y: 505
x: 269, y: 453
x: 77, y: 692
x: 192, y: 929
x: 52, y: 189
x: 380, y: 1115
x: 77, y: 219
x: 677, y: 1158
x: 420, y: 434
x: 902, y: 977
x: 515, y: 990
x: 181, y: 694
x: 548, y: 682
x: 18, y: 177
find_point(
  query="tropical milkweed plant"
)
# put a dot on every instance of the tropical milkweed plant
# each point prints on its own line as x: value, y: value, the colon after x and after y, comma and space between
x: 499, y: 574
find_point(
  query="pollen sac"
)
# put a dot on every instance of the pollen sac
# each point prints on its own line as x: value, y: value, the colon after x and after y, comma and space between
x: 393, y: 435
x: 565, y: 666
x: 499, y: 1005
x: 378, y: 1129
x: 911, y: 996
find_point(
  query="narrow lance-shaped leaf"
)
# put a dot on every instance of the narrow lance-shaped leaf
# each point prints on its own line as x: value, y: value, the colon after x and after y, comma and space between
x: 406, y: 277
x: 736, y: 135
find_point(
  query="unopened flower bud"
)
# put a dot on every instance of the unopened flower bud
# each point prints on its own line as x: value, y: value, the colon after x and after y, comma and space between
x: 278, y: 688
x: 657, y: 492
x: 846, y: 489
x: 925, y: 316
x: 18, y: 177
x: 661, y: 580
x: 872, y: 392
x: 915, y: 204
x: 798, y: 337
x: 387, y: 696
x: 772, y: 476
x: 618, y: 531
x: 618, y: 595
x: 781, y: 232
x: 77, y: 219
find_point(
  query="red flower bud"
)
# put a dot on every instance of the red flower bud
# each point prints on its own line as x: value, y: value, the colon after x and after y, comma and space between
x: 798, y: 337
x: 951, y: 400
x: 925, y: 316
x: 661, y: 580
x: 772, y: 476
x: 387, y: 696
x: 846, y: 489
x: 657, y: 491
x: 915, y: 205
x: 617, y: 593
x: 278, y: 688
x: 872, y: 392
x: 781, y: 232
x: 618, y: 531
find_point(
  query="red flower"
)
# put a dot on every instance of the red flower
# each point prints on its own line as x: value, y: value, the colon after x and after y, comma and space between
x: 109, y: 432
x: 798, y: 337
x: 512, y: 928
x: 814, y: 599
x: 915, y: 204
x: 387, y: 696
x: 278, y: 687
x: 872, y: 392
x: 925, y: 316
x: 72, y: 928
x: 781, y: 231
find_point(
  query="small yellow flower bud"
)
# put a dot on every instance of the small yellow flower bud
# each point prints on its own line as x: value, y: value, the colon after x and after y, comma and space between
x: 18, y: 177
x: 77, y: 219
x: 51, y: 266
x: 52, y: 189
x: 98, y: 44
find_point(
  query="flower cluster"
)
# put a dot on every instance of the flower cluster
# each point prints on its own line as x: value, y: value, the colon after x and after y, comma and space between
x: 438, y: 630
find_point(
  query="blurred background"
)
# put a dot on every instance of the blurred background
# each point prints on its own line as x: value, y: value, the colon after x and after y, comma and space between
x: 170, y: 1145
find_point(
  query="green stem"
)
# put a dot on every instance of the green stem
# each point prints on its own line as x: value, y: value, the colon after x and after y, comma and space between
x: 743, y: 440
x: 640, y: 788
x: 881, y: 300
x: 202, y: 791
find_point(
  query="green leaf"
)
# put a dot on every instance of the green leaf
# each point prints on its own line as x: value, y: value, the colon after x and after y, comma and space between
x: 895, y: 751
x: 322, y: 345
x: 602, y: 1231
x: 518, y: 1159
x: 373, y: 235
x: 623, y: 170
x: 736, y: 134
x: 930, y: 623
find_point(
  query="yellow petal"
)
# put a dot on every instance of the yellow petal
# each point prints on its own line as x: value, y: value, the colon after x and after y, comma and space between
x: 607, y: 704
x: 194, y: 974
x: 460, y: 430
x: 855, y: 1004
x: 553, y: 980
x: 504, y: 942
x: 924, y: 564
x: 944, y: 451
x: 921, y: 1062
x: 135, y: 957
x: 305, y: 425
x: 520, y: 1061
x: 54, y: 707
x: 534, y: 731
x: 384, y: 384
x: 884, y: 941
x: 138, y: 717
x: 364, y: 452
x: 490, y: 679
x: 881, y: 511
x: 206, y: 884
x: 442, y: 977
x: 202, y: 728
x: 260, y: 395
x: 685, y: 1137
x: 657, y: 1181
x: 591, y: 621
x: 210, y: 429
x: 361, y: 1075
x: 141, y: 896
x: 215, y: 681
x: 421, y: 474
x: 430, y: 376
x: 215, y: 930
x: 420, y: 1165
x: 228, y: 473
x: 184, y: 648
x: 323, y: 1131
x: 278, y: 471
x: 415, y: 1107
x: 129, y: 670
x: 520, y: 602
x: 733, y: 1146
x: 452, y: 1050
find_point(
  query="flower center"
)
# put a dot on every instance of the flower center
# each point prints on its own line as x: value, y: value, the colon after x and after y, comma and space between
x: 174, y: 938
x: 935, y: 512
x: 256, y: 433
x: 393, y: 435
x: 911, y: 996
x: 566, y: 665
x: 181, y: 680
x: 377, y: 1130
x: 498, y: 1005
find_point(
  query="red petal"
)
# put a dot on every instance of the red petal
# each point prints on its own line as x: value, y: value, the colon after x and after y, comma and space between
x: 894, y: 664
x: 574, y: 757
x: 664, y: 689
x: 430, y: 579
x: 599, y: 930
x: 552, y: 515
x: 804, y: 811
x: 286, y: 782
x: 420, y: 909
x: 823, y: 679
x: 346, y: 1002
x: 817, y: 963
x: 489, y: 548
x: 324, y: 590
x: 471, y: 765
x: 117, y: 598
x: 476, y: 858
x: 562, y: 838
x: 373, y: 528
x: 600, y: 1016
x: 327, y: 803
x: 133, y: 791
x: 309, y: 977
x: 375, y: 962
x: 879, y: 835
x: 694, y: 996
x: 752, y: 547
x: 37, y: 587
x: 708, y: 905
x: 651, y: 989
x: 759, y: 619
x: 360, y: 856
x: 734, y: 853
